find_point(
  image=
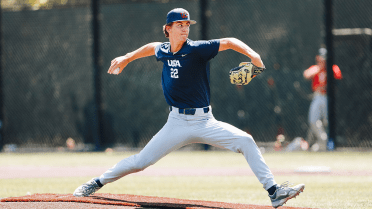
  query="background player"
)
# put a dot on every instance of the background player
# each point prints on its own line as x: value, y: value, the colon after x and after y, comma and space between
x: 318, y: 113
x: 185, y: 82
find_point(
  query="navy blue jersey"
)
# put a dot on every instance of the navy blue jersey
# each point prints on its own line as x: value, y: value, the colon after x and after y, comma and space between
x: 185, y: 77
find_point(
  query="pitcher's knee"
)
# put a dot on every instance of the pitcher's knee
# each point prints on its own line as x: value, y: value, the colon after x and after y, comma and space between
x: 246, y: 140
x: 250, y: 139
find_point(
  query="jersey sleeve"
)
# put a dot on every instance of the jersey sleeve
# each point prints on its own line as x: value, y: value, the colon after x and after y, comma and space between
x: 160, y: 50
x: 208, y: 49
x: 157, y: 52
x: 337, y: 72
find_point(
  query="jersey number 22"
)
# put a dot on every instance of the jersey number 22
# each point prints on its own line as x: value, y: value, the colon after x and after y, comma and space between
x: 174, y: 73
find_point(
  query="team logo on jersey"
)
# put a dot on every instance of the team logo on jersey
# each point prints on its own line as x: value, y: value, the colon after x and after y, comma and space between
x: 165, y: 47
x: 174, y: 63
x: 184, y: 15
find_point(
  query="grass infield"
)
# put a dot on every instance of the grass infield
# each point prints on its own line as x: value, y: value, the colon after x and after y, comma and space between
x: 345, y: 190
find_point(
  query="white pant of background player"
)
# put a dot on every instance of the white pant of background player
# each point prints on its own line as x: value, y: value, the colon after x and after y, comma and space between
x: 318, y: 118
x: 181, y: 130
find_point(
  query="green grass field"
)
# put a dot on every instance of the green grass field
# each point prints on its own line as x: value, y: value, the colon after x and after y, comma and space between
x: 322, y: 191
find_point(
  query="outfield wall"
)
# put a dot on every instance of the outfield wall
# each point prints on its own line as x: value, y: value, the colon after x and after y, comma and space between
x: 48, y: 77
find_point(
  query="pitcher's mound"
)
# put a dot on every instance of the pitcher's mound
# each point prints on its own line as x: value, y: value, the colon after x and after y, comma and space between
x: 104, y: 200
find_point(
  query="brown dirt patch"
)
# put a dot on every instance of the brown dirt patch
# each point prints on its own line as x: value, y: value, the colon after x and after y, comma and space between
x: 103, y: 200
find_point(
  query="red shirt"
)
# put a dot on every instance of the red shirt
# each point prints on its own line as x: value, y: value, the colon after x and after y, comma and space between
x: 319, y: 81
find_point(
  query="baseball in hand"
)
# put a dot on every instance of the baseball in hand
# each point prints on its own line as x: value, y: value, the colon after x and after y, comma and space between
x: 116, y: 71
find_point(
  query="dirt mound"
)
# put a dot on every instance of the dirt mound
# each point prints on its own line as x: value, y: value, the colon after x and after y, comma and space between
x: 103, y: 200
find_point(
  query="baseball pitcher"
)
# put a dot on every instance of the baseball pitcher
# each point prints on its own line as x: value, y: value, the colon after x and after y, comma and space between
x: 186, y: 87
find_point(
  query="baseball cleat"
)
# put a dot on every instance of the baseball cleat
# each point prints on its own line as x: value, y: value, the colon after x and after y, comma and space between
x: 87, y: 189
x: 283, y: 193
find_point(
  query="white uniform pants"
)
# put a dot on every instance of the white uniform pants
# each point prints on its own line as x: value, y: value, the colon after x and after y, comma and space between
x: 318, y: 118
x: 181, y: 130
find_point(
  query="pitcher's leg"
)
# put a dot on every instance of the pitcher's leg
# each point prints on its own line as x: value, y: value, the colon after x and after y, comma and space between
x: 224, y: 135
x: 169, y: 138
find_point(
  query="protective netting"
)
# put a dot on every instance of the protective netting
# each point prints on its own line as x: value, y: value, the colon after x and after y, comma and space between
x: 48, y: 78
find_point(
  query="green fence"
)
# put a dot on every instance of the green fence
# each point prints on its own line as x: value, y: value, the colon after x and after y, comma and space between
x: 48, y: 79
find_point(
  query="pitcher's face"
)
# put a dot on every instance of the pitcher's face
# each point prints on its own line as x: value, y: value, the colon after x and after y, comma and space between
x: 180, y: 30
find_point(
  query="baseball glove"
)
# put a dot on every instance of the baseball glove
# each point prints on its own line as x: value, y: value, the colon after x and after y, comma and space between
x: 243, y: 74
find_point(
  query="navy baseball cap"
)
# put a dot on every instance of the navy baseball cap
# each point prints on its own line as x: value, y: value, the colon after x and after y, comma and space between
x: 179, y: 14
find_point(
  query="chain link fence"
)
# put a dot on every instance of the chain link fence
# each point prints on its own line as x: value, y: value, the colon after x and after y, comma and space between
x: 48, y: 78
